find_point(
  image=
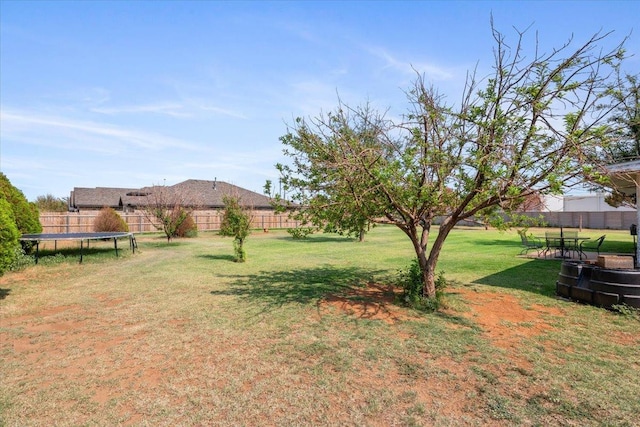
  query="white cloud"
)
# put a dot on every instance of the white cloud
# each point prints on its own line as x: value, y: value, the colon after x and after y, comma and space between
x: 302, y: 31
x: 410, y: 67
x: 170, y: 109
x: 186, y: 108
x: 39, y: 129
x: 310, y: 97
x: 223, y: 111
x: 96, y: 96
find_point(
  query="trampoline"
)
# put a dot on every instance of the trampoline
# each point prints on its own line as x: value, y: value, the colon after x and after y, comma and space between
x: 54, y: 237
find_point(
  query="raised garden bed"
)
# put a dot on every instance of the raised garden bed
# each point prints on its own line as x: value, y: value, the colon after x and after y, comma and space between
x: 604, y: 287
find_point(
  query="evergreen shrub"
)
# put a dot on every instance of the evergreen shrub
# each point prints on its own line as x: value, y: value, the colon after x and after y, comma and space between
x: 25, y: 214
x: 9, y: 236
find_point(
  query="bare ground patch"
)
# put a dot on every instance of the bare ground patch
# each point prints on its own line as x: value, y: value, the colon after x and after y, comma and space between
x: 125, y: 370
x: 504, y: 319
x: 501, y: 316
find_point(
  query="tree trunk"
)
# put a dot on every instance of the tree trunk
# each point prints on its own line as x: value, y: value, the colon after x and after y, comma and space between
x: 428, y: 264
x: 420, y: 246
x: 428, y: 276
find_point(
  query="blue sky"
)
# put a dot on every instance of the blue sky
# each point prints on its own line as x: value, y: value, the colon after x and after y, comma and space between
x: 131, y: 94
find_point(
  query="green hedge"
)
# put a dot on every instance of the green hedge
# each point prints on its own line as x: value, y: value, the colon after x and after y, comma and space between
x: 9, y: 235
x: 26, y: 215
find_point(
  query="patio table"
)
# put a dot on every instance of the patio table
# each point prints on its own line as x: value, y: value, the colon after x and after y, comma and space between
x: 565, y: 244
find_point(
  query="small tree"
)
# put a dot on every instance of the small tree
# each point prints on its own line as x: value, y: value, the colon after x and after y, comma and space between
x: 109, y: 220
x: 166, y: 209
x: 236, y: 223
x: 50, y: 203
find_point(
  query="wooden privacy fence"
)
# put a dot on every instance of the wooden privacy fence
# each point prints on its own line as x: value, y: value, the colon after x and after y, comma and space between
x: 79, y: 222
x: 82, y: 222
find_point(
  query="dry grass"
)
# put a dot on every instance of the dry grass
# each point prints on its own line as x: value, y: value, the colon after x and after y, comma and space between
x: 307, y: 333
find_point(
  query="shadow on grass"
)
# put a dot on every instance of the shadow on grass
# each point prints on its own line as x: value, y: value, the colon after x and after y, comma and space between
x: 4, y: 293
x: 499, y: 242
x: 162, y: 243
x: 319, y: 239
x: 457, y: 319
x: 537, y: 276
x: 73, y: 252
x: 52, y: 256
x: 218, y: 257
x: 302, y: 286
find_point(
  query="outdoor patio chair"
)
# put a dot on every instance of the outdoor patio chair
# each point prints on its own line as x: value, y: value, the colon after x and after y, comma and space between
x: 553, y: 243
x: 530, y: 243
x: 592, y: 245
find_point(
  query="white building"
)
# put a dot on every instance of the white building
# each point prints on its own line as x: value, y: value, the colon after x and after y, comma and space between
x: 590, y: 202
x: 551, y: 203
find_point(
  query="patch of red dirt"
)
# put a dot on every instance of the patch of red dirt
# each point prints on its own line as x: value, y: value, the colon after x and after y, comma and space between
x: 625, y: 338
x: 503, y: 319
x: 501, y: 316
x: 75, y: 350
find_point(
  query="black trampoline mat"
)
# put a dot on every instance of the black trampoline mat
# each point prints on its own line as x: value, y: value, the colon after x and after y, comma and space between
x: 73, y: 236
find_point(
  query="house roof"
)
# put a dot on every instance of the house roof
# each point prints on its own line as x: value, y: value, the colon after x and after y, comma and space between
x: 194, y: 193
x: 97, y: 197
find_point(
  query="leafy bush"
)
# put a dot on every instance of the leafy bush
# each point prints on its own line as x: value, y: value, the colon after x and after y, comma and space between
x: 187, y: 228
x: 9, y: 236
x: 52, y: 259
x: 21, y: 260
x: 411, y: 281
x: 109, y: 220
x: 25, y: 214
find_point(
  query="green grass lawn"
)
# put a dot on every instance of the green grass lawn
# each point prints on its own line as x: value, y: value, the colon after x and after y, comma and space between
x: 179, y: 334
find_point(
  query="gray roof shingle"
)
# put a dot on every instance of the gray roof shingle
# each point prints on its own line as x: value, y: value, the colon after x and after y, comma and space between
x: 194, y: 193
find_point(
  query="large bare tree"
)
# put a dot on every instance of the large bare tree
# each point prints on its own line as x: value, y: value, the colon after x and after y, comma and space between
x: 527, y: 127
